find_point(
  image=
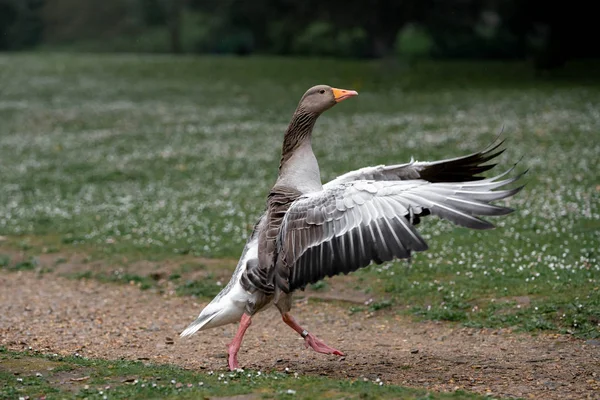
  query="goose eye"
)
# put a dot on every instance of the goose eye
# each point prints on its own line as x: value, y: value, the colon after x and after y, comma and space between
x: 322, y: 91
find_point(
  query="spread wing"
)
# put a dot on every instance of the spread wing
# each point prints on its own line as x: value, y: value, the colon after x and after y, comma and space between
x: 459, y: 169
x: 347, y: 226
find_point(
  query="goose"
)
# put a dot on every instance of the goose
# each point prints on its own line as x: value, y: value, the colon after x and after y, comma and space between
x: 310, y: 231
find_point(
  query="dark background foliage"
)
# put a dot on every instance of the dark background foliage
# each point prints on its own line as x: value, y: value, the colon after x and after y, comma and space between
x: 549, y: 33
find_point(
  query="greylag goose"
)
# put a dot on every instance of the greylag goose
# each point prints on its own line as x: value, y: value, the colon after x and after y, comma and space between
x: 310, y: 231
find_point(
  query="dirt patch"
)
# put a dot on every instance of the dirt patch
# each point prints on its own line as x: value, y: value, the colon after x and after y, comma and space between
x: 71, y: 262
x: 57, y: 315
x: 28, y: 366
x: 72, y: 380
x: 158, y: 275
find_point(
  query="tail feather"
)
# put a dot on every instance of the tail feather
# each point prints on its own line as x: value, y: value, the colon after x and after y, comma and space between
x: 200, y: 322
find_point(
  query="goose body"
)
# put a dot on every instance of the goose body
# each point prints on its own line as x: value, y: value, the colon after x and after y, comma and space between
x: 310, y: 231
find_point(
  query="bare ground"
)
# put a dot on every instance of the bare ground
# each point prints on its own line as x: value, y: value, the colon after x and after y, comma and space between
x: 57, y: 315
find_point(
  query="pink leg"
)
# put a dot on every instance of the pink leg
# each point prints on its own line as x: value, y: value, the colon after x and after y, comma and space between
x: 310, y: 340
x: 234, y: 346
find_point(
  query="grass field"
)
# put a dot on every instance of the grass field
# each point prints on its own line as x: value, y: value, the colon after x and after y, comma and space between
x: 98, y: 379
x: 156, y: 158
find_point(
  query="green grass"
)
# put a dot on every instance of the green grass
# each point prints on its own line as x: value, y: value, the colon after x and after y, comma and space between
x: 117, y: 276
x: 57, y: 377
x: 157, y: 157
x: 26, y: 265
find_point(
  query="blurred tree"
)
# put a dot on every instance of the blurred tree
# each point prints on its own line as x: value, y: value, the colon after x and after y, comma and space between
x: 453, y: 27
x: 287, y: 26
x: 174, y: 9
x: 501, y: 29
x: 549, y: 32
x: 413, y: 42
x: 20, y: 24
x: 8, y: 16
x: 72, y: 20
x: 153, y: 12
x: 381, y: 20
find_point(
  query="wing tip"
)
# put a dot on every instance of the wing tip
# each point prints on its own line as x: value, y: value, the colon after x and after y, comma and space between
x: 483, y: 225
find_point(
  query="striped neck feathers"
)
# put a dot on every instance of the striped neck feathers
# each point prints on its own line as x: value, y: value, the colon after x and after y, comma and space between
x: 298, y: 132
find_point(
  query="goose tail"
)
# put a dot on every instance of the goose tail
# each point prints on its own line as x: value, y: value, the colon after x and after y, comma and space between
x: 199, y: 323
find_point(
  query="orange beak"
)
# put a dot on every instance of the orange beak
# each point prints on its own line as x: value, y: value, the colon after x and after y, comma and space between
x: 343, y: 94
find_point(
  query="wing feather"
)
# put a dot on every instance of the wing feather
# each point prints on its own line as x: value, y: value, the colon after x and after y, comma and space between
x: 458, y: 169
x: 372, y: 221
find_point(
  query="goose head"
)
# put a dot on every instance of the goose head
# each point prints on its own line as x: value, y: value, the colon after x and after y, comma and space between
x: 321, y: 98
